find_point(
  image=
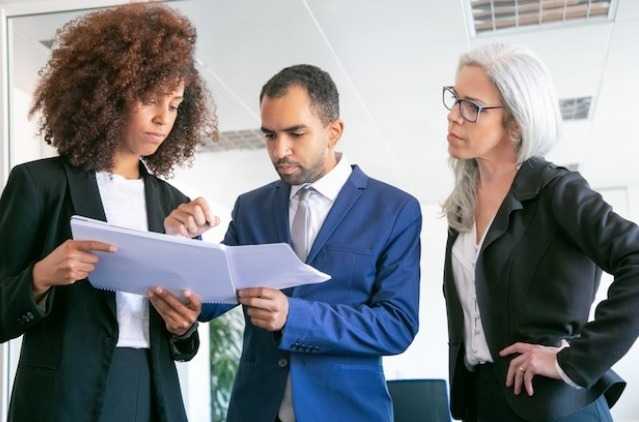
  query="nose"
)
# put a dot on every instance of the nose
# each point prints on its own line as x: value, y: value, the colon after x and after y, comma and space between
x: 161, y: 115
x: 280, y: 146
x: 454, y: 114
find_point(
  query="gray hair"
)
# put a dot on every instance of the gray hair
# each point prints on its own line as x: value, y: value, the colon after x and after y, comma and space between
x: 529, y: 98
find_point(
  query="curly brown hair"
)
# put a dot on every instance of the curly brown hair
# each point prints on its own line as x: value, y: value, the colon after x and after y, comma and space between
x: 103, y: 63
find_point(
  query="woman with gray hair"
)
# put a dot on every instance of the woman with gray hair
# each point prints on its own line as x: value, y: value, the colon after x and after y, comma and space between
x: 526, y: 245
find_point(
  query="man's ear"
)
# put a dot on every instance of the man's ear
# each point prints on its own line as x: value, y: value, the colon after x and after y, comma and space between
x: 335, y: 130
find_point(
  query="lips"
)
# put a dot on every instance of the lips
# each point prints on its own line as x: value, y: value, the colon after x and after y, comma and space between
x: 155, y: 137
x: 286, y: 168
x: 453, y: 137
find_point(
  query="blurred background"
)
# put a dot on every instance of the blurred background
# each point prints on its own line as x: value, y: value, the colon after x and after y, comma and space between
x: 389, y: 61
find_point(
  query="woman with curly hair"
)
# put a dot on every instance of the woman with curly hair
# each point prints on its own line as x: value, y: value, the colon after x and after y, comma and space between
x: 122, y: 102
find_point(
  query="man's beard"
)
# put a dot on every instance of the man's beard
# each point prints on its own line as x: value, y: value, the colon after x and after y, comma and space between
x: 303, y: 177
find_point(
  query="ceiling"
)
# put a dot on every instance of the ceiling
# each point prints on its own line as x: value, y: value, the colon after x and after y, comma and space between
x: 390, y: 60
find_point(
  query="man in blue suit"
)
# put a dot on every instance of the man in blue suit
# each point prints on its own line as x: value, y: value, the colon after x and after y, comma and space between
x: 313, y: 353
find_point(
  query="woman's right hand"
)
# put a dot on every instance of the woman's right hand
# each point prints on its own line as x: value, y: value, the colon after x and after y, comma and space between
x: 71, y: 261
x: 191, y: 219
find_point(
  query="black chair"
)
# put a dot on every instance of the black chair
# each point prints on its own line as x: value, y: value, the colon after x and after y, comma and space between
x: 420, y: 400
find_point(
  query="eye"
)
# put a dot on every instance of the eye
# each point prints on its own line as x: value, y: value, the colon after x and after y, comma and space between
x: 297, y: 134
x: 470, y: 106
x: 268, y: 135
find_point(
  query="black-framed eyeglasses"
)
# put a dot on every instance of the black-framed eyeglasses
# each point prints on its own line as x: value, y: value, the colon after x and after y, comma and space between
x: 468, y: 109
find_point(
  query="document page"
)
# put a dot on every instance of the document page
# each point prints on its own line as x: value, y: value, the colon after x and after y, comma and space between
x: 212, y: 271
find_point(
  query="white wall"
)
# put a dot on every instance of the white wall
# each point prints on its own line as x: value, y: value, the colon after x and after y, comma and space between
x: 625, y: 202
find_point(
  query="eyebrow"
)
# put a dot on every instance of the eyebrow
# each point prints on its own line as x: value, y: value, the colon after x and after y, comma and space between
x: 467, y: 97
x: 288, y: 129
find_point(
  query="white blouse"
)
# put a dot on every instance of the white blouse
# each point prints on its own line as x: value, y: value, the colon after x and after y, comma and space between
x: 464, y: 256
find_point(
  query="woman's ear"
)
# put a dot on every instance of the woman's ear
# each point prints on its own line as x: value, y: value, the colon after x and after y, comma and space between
x: 513, y: 130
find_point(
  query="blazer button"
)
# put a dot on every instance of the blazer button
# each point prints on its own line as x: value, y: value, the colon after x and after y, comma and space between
x: 282, y: 363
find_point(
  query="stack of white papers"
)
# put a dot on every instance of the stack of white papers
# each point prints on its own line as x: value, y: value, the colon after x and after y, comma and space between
x: 212, y: 271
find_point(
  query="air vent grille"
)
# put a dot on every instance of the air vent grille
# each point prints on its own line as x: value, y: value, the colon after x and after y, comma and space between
x: 495, y: 15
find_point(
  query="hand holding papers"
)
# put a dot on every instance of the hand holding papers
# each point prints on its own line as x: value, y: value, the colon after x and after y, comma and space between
x: 212, y: 271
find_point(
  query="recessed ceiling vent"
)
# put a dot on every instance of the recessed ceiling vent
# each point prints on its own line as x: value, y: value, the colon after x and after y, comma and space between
x: 232, y: 140
x: 575, y: 108
x: 496, y: 15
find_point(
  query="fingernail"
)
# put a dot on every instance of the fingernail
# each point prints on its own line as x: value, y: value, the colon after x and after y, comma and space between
x: 158, y: 290
x: 187, y: 292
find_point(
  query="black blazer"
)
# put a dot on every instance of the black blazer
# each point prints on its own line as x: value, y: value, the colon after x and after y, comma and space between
x: 536, y: 278
x: 66, y: 351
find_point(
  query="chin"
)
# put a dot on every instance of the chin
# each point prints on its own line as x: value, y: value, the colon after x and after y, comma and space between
x: 149, y: 151
x: 291, y: 179
x: 460, y: 154
x: 454, y: 153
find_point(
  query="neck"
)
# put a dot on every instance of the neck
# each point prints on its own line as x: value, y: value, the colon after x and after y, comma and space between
x: 126, y: 165
x: 331, y: 162
x: 497, y: 167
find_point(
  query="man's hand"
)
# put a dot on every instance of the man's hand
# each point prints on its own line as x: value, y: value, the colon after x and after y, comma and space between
x: 268, y: 308
x: 191, y: 219
x: 71, y: 261
x: 533, y: 360
x: 178, y: 316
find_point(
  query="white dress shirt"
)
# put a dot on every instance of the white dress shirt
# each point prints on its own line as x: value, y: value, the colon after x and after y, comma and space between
x: 125, y: 206
x: 464, y: 254
x: 320, y: 200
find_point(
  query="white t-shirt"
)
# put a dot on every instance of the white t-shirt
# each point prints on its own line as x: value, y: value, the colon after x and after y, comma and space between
x: 125, y: 206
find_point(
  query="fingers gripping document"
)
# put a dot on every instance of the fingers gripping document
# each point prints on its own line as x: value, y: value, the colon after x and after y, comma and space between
x: 212, y: 271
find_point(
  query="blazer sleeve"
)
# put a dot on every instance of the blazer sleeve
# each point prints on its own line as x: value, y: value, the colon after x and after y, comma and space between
x: 21, y: 213
x: 613, y: 244
x: 387, y: 323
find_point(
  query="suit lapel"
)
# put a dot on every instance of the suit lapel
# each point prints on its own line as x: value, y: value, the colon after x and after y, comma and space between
x: 502, y: 219
x: 485, y: 282
x: 280, y: 212
x: 347, y: 197
x: 85, y: 194
x: 455, y: 313
x: 86, y: 200
x: 531, y: 178
x: 529, y: 181
x: 448, y: 260
x: 154, y: 210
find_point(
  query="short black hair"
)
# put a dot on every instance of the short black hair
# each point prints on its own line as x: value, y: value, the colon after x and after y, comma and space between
x: 318, y: 84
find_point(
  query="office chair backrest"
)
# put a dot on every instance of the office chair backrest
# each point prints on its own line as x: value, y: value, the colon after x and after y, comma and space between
x: 420, y: 400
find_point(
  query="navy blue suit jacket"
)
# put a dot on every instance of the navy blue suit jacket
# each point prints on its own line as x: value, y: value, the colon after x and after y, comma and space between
x: 336, y: 331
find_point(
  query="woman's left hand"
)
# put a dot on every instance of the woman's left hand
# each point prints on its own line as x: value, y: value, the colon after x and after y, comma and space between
x: 178, y: 315
x: 533, y: 359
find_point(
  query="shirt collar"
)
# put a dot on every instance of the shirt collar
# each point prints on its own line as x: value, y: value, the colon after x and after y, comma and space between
x: 332, y: 182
